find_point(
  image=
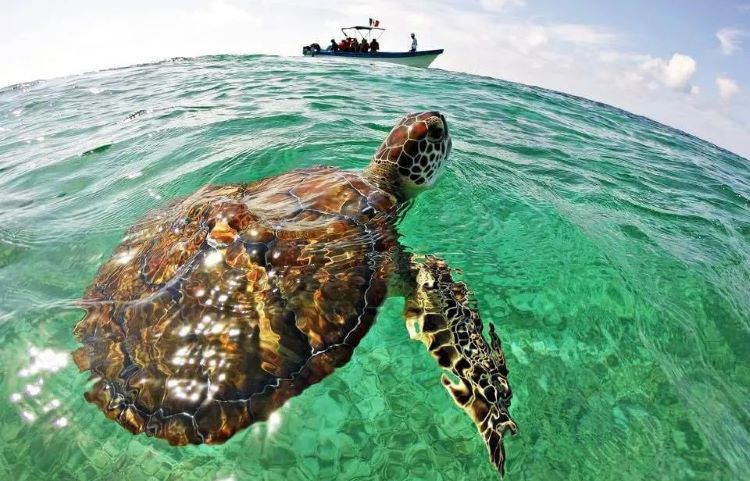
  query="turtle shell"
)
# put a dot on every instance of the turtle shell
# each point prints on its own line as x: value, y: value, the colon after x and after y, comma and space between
x: 216, y: 309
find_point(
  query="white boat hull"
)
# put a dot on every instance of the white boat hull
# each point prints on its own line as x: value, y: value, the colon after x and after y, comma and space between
x: 413, y: 59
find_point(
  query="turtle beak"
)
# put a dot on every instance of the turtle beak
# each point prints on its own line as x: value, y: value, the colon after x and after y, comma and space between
x: 445, y: 125
x: 448, y: 139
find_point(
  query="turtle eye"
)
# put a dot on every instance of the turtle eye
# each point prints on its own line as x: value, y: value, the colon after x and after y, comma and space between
x: 435, y: 132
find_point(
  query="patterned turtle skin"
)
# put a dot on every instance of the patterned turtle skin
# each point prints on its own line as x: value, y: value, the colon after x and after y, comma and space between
x: 219, y: 307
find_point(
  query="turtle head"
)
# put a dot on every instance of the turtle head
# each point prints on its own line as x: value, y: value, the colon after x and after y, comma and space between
x: 414, y: 153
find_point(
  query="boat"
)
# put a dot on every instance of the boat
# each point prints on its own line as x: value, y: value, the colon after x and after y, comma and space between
x: 420, y: 58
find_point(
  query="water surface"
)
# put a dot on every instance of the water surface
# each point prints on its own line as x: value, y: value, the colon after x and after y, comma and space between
x: 612, y: 252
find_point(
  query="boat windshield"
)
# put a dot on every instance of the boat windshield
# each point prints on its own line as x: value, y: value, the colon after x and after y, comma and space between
x: 365, y: 33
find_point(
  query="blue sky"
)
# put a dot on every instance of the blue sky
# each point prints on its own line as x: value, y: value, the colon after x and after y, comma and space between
x: 665, y: 27
x: 685, y: 63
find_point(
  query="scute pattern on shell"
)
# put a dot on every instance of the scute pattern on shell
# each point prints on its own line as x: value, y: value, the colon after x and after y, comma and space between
x: 218, y: 308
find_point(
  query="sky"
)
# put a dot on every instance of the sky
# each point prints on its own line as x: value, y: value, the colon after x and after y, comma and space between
x: 685, y: 63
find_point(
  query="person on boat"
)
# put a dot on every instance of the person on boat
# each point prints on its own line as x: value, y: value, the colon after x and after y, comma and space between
x: 413, y: 43
x: 374, y: 45
x: 342, y: 45
x: 365, y: 46
x: 334, y: 47
x: 355, y: 45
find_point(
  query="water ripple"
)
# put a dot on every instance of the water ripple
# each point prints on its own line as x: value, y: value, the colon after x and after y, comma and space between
x: 612, y: 252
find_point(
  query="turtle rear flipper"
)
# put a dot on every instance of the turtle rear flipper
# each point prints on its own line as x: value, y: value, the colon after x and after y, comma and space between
x: 439, y: 313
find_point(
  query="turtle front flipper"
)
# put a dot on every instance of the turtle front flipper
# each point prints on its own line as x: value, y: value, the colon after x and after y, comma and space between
x: 438, y: 313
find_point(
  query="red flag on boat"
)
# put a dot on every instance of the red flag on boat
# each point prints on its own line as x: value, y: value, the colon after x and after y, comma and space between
x: 374, y: 23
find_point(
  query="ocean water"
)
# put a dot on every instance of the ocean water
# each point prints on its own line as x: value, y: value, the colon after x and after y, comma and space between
x: 612, y: 252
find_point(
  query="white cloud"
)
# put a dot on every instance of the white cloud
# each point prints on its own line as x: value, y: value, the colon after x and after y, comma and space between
x: 674, y: 73
x: 728, y: 88
x: 582, y: 34
x: 497, y: 5
x: 730, y: 39
x: 527, y: 38
x: 679, y: 71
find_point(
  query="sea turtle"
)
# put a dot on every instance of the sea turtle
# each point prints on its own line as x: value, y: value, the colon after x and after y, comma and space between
x: 219, y: 307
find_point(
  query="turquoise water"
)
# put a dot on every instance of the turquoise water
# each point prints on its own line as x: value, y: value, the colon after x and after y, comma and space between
x: 613, y: 253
